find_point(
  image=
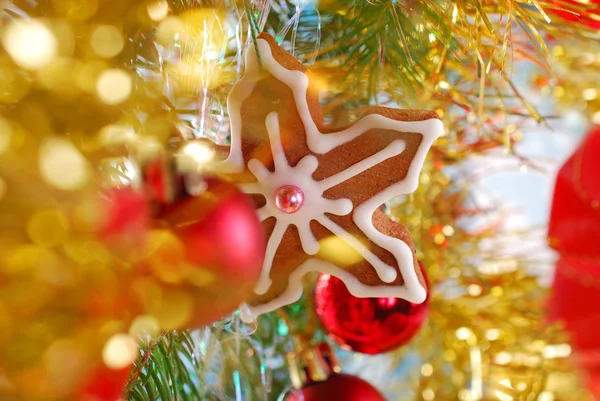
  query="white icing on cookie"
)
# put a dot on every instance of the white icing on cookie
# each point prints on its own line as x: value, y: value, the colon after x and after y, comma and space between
x: 315, y: 206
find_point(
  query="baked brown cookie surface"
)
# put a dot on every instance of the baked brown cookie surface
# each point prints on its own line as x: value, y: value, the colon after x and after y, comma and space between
x: 318, y: 189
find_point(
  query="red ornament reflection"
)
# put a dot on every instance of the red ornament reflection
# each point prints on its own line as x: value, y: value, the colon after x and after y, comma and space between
x: 367, y: 325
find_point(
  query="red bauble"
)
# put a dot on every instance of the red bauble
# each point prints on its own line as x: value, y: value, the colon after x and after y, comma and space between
x: 574, y: 231
x: 338, y: 387
x: 220, y: 230
x: 223, y: 236
x: 367, y: 325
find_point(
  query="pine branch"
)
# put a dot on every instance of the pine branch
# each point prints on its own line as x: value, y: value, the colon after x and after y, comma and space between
x: 162, y: 371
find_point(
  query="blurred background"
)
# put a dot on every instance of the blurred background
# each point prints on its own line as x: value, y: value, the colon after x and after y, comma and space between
x: 113, y: 123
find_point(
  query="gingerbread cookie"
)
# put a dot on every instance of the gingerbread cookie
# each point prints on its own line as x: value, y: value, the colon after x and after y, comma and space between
x: 318, y: 190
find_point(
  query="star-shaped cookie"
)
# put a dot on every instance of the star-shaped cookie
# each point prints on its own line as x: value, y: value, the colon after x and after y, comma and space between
x: 318, y: 190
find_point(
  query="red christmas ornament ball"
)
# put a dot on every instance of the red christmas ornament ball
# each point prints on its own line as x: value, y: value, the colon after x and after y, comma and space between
x: 338, y: 387
x: 366, y: 325
x: 573, y: 229
x: 574, y: 232
x: 218, y: 230
x: 223, y: 236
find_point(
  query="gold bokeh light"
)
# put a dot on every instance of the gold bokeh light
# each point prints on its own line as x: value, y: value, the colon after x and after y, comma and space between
x: 107, y: 41
x: 114, y: 86
x: 30, y: 43
x: 144, y: 327
x: 62, y: 165
x: 120, y: 351
x: 158, y: 10
x: 47, y: 228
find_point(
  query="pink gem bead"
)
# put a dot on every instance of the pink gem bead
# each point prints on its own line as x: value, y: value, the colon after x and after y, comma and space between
x: 289, y: 198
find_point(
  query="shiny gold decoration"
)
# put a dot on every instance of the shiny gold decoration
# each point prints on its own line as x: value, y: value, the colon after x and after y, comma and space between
x: 576, y: 85
x: 487, y: 338
x: 313, y: 364
x: 197, y: 39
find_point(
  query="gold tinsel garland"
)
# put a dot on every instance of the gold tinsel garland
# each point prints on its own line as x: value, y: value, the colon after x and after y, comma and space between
x: 490, y: 340
x: 576, y: 85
